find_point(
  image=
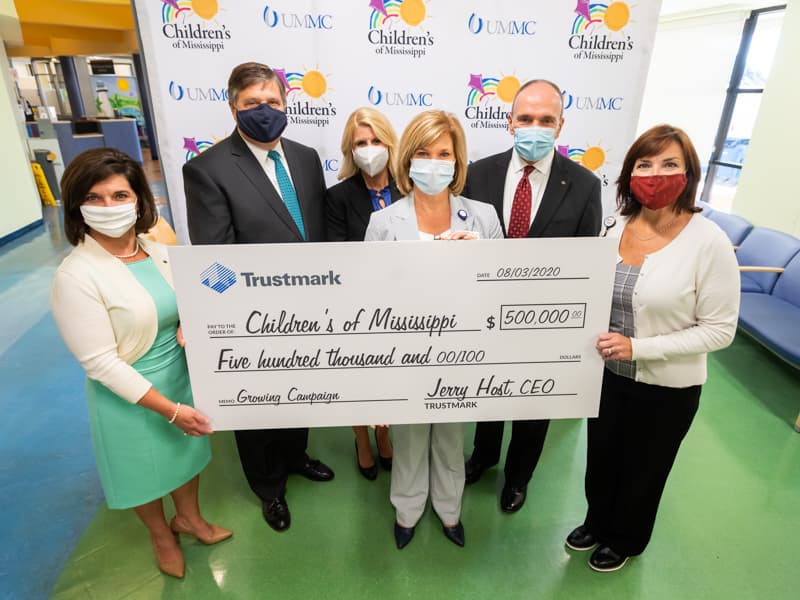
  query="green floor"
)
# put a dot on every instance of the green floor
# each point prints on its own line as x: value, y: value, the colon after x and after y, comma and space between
x: 729, y: 524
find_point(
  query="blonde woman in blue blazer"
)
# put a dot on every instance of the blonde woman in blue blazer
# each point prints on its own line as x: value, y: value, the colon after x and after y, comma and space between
x: 430, y: 170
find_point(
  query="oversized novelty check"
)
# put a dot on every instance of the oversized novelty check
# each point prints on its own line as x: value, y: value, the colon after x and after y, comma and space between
x: 290, y: 335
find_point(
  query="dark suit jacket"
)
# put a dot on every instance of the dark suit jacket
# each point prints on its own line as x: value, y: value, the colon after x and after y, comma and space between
x: 348, y: 208
x: 230, y: 199
x: 570, y: 206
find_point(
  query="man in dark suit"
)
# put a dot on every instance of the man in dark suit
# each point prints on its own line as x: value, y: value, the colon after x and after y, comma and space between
x: 537, y: 192
x: 256, y: 187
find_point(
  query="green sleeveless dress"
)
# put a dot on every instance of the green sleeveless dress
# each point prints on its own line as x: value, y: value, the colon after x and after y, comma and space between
x: 140, y: 456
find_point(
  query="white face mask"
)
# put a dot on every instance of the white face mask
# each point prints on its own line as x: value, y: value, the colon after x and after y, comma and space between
x: 431, y: 176
x: 371, y: 159
x: 113, y: 221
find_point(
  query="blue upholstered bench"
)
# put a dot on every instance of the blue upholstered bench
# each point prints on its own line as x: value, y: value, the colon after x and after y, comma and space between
x: 734, y: 226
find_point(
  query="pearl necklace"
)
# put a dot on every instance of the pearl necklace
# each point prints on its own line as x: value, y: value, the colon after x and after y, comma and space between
x: 658, y: 231
x: 132, y: 254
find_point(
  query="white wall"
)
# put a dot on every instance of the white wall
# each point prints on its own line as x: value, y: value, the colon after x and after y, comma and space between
x: 20, y: 199
x: 689, y: 73
x: 768, y: 194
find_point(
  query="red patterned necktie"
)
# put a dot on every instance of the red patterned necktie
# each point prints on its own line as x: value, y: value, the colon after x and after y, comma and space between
x: 520, y: 221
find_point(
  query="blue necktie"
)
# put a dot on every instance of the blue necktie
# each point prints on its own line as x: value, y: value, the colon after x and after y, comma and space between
x: 287, y: 191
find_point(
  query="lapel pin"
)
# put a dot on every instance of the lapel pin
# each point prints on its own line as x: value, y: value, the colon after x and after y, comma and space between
x: 462, y: 214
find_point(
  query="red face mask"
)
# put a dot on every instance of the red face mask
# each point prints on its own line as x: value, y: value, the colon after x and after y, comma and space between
x: 658, y: 191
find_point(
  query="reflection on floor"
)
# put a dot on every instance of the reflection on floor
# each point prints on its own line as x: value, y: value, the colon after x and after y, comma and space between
x: 727, y: 526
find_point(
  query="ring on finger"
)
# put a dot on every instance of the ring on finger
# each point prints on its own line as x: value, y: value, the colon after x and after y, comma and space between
x: 609, y: 352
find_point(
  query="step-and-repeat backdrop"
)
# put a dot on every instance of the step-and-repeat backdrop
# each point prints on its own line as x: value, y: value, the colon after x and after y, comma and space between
x: 400, y: 57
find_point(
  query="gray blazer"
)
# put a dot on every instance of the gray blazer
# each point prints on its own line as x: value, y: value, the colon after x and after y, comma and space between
x: 399, y: 221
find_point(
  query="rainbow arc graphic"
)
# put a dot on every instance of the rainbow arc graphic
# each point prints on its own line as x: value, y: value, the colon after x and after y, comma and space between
x: 312, y: 82
x: 481, y: 88
x: 194, y: 147
x: 172, y: 9
x: 411, y: 12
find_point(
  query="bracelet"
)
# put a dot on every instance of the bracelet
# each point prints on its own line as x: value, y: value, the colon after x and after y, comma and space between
x: 175, y: 414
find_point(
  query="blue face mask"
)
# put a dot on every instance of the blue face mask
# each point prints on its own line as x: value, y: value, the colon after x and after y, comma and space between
x: 533, y: 143
x: 263, y: 123
x: 431, y: 176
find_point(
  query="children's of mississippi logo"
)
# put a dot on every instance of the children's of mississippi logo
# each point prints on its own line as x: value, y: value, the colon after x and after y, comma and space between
x: 489, y: 100
x: 193, y: 24
x: 396, y: 27
x: 306, y: 103
x: 598, y: 31
x: 591, y: 157
x: 194, y: 147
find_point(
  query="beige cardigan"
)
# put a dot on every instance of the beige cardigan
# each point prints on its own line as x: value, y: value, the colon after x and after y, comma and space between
x: 107, y: 319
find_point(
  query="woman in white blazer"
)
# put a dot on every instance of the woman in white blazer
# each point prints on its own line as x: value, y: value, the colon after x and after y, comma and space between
x: 113, y: 302
x: 676, y: 298
x: 431, y: 168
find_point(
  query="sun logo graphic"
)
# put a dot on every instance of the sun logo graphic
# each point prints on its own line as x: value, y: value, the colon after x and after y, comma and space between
x: 592, y: 157
x: 396, y: 27
x: 311, y: 84
x: 483, y: 88
x: 193, y: 24
x: 593, y: 18
x: 194, y: 147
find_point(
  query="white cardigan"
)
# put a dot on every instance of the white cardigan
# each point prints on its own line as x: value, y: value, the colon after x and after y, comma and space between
x: 107, y: 319
x: 685, y: 303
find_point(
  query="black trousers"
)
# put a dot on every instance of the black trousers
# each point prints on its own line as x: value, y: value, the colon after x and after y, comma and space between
x: 524, y: 450
x: 631, y: 448
x: 268, y: 456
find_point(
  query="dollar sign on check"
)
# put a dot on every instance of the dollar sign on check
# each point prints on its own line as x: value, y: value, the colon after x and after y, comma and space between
x: 490, y: 323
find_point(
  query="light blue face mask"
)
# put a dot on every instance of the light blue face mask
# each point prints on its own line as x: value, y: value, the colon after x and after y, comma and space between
x: 431, y: 176
x: 533, y: 143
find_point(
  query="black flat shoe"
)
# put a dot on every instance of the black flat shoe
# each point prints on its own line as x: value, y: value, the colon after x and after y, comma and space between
x: 276, y: 513
x: 473, y: 469
x: 402, y: 535
x: 315, y: 470
x: 512, y: 498
x: 386, y: 463
x: 605, y: 560
x: 581, y: 539
x: 455, y: 534
x: 370, y: 472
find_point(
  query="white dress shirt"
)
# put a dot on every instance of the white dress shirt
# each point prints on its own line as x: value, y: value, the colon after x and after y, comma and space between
x: 538, y: 179
x: 269, y: 165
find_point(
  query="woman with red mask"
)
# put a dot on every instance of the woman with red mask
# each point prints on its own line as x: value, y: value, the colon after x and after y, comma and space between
x: 676, y: 297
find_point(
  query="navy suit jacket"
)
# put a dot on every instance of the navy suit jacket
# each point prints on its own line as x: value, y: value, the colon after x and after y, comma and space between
x: 349, y: 207
x: 230, y: 199
x: 570, y: 206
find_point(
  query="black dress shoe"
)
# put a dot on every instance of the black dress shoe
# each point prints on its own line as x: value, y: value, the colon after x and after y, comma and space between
x: 604, y: 559
x: 512, y: 498
x: 455, y: 534
x: 370, y: 472
x: 386, y: 463
x: 473, y: 469
x: 315, y: 470
x: 402, y: 535
x: 581, y: 539
x: 276, y: 513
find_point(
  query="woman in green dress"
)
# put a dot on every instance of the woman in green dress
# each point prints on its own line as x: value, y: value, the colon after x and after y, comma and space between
x: 113, y: 302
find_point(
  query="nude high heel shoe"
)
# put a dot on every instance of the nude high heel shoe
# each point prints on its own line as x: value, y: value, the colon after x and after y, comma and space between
x: 218, y: 533
x: 174, y: 568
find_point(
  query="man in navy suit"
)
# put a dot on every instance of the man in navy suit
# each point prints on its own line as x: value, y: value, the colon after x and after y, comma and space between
x: 257, y: 187
x: 536, y: 192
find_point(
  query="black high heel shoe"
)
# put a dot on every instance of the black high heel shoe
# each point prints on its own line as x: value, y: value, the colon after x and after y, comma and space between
x: 370, y: 473
x: 385, y: 461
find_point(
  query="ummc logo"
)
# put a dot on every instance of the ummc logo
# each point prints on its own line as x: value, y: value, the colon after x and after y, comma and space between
x: 331, y: 165
x: 218, y: 278
x: 591, y: 103
x: 377, y: 96
x: 287, y: 20
x: 477, y: 25
x: 195, y: 94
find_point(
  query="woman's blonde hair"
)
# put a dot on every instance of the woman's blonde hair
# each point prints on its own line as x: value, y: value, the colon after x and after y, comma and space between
x: 380, y: 126
x: 423, y: 130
